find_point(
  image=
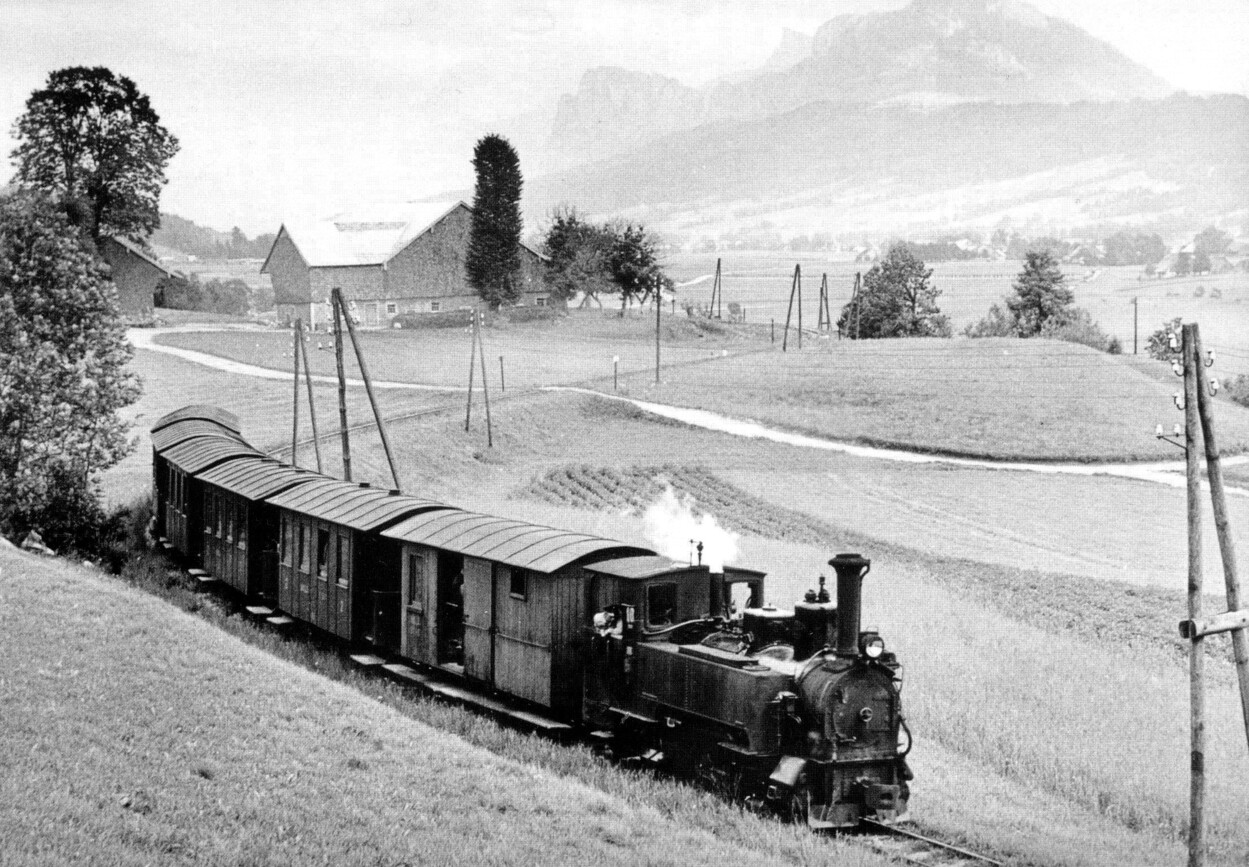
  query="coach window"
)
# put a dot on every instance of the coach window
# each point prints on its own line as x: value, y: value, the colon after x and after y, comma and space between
x: 519, y: 588
x: 228, y: 517
x: 340, y: 542
x: 242, y: 525
x: 210, y: 506
x: 301, y: 550
x: 416, y: 582
x: 284, y: 552
x: 323, y: 552
x: 661, y: 605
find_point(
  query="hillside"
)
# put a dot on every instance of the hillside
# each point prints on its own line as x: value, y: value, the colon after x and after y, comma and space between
x: 838, y: 167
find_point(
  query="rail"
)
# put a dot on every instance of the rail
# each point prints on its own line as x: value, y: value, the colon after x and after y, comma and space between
x: 922, y: 849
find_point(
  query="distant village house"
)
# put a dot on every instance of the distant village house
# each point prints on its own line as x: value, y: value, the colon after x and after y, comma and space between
x: 387, y: 261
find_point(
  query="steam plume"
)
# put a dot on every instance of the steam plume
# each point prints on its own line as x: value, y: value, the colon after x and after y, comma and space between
x: 671, y: 522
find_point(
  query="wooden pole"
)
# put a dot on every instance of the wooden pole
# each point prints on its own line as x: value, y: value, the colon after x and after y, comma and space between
x: 312, y: 407
x: 719, y: 292
x: 789, y: 311
x: 657, y: 310
x: 1196, y: 658
x: 502, y: 376
x: 1222, y: 525
x: 368, y: 388
x: 798, y: 277
x: 1136, y: 309
x: 857, y: 303
x: 342, y: 387
x: 825, y: 318
x: 472, y: 366
x: 298, y: 332
x: 485, y: 389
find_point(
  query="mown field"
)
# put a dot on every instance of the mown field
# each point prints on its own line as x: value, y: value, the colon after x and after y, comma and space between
x: 997, y: 399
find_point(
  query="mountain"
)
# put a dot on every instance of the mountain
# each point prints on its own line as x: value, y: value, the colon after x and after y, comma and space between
x: 179, y: 235
x: 871, y: 167
x: 930, y: 53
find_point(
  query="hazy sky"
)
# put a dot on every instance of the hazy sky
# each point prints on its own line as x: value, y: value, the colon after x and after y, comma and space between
x: 296, y: 107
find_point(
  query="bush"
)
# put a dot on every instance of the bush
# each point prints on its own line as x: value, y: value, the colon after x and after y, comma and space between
x: 1238, y: 389
x: 1076, y: 325
x: 998, y: 322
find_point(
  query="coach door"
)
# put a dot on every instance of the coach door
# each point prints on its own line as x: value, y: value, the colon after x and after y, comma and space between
x: 449, y: 623
x: 478, y: 619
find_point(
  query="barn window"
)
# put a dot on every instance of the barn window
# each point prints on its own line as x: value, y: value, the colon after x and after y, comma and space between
x: 519, y: 585
x: 340, y: 542
x: 661, y: 605
x: 301, y: 551
x: 391, y: 308
x: 540, y: 301
x: 416, y: 581
x: 435, y: 306
x: 323, y: 552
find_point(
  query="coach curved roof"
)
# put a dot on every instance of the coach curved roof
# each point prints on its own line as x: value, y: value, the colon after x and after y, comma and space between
x: 349, y: 504
x: 503, y: 540
x: 181, y: 431
x: 256, y: 478
x: 200, y: 453
x: 204, y: 411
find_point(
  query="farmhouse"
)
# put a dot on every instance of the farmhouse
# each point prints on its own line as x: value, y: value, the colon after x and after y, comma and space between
x: 387, y: 261
x: 135, y: 273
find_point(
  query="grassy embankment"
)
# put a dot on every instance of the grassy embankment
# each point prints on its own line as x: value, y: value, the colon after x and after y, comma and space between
x: 135, y: 734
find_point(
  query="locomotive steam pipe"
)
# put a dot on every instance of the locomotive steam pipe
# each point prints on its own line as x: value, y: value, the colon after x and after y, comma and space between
x: 851, y: 570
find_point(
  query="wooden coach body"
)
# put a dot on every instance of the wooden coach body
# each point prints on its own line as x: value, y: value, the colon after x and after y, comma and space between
x: 240, y: 529
x: 501, y: 601
x: 184, y: 493
x: 334, y: 571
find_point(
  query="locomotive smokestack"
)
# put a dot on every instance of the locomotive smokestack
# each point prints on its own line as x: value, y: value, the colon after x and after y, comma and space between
x: 851, y: 570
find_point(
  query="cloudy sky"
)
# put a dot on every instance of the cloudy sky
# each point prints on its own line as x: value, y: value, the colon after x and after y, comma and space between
x: 295, y: 107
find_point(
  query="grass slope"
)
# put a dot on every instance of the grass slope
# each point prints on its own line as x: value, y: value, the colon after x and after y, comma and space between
x: 135, y: 733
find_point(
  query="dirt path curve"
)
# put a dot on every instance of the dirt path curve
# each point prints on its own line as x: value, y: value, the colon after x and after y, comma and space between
x: 1168, y: 473
x: 145, y: 338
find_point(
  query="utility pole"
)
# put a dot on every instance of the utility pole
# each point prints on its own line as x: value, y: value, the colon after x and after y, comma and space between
x: 312, y: 407
x: 854, y: 303
x: 1236, y: 619
x: 485, y: 388
x: 658, y: 308
x: 825, y: 317
x: 717, y: 300
x: 299, y: 337
x: 794, y: 289
x: 1135, y: 319
x: 1196, y: 657
x: 342, y: 384
x: 337, y: 296
x: 472, y: 367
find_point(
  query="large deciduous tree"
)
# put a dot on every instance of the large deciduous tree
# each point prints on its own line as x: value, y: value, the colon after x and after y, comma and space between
x: 577, y: 253
x: 494, y: 240
x: 895, y: 300
x: 91, y: 140
x: 1041, y: 293
x: 63, y: 355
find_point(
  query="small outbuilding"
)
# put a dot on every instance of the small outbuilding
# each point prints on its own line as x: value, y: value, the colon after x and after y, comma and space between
x: 135, y: 273
x: 387, y: 261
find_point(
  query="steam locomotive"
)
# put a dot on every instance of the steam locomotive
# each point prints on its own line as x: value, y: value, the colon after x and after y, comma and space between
x: 795, y: 709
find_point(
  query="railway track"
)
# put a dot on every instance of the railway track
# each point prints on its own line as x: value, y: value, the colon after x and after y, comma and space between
x: 910, y: 847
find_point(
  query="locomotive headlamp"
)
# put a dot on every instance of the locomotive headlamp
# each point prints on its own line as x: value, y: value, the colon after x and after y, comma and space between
x: 873, y: 646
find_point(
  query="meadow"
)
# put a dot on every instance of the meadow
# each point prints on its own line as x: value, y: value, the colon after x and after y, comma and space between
x: 1035, y: 614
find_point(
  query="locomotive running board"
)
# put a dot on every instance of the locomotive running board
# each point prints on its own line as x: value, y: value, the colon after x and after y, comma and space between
x: 475, y: 699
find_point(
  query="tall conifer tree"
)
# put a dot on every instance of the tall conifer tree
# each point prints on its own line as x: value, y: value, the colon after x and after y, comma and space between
x: 493, y: 260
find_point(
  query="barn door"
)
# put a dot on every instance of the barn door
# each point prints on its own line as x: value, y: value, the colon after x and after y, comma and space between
x: 478, y: 619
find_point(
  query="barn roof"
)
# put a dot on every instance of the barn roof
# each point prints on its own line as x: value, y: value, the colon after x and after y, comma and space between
x: 361, y: 508
x: 138, y: 252
x: 256, y: 478
x: 181, y: 431
x: 365, y: 236
x: 516, y: 543
x: 223, y: 417
x: 200, y: 453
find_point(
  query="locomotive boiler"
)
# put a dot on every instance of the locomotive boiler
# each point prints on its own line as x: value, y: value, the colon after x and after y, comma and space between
x: 798, y: 709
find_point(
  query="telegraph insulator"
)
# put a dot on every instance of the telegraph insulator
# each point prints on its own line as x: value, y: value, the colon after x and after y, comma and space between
x: 1178, y: 430
x: 615, y: 359
x: 1214, y: 385
x: 1176, y: 368
x: 1175, y: 343
x: 1179, y: 400
x: 1158, y: 431
x: 1209, y: 358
